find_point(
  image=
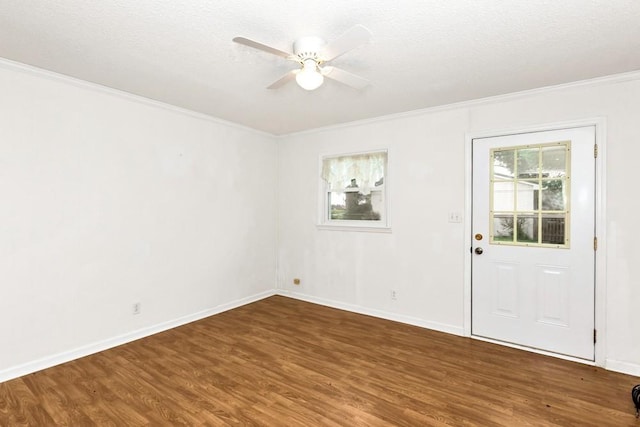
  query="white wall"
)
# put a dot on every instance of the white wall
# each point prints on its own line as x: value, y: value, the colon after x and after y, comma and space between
x: 107, y: 200
x: 424, y: 256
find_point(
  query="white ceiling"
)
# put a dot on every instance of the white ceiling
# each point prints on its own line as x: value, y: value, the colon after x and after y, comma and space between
x: 424, y: 53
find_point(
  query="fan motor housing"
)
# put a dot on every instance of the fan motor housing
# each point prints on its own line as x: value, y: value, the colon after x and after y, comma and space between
x: 308, y: 47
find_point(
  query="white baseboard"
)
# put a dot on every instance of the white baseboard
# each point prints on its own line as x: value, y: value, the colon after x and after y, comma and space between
x: 67, y: 356
x: 623, y: 367
x: 441, y: 327
x: 611, y: 365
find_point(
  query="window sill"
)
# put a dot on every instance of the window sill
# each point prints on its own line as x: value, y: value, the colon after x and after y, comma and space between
x: 349, y: 227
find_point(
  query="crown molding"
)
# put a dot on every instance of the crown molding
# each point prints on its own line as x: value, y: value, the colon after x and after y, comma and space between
x: 7, y: 64
x: 597, y: 81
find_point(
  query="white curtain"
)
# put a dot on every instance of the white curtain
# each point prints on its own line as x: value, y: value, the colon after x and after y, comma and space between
x: 365, y: 170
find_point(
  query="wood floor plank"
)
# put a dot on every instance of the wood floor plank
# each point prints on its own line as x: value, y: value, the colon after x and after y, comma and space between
x: 285, y: 362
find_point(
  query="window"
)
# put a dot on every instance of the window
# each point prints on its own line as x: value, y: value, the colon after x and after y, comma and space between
x: 530, y: 193
x: 354, y: 190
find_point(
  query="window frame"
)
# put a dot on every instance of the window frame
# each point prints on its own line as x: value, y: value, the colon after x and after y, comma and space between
x: 326, y: 223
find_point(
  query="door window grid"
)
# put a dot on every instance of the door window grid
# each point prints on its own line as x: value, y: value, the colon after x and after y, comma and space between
x: 529, y: 195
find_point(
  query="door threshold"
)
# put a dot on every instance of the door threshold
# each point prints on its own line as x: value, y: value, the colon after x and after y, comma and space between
x: 536, y: 350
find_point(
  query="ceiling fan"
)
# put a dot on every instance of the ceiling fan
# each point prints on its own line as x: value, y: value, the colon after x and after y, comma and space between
x: 312, y: 53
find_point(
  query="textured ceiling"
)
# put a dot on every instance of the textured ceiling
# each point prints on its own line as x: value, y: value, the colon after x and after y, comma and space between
x: 424, y: 52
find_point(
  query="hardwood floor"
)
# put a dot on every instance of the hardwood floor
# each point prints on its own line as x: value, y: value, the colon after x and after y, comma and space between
x: 283, y: 362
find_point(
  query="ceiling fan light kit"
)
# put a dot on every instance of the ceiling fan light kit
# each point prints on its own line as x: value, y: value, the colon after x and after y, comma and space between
x: 311, y: 52
x: 309, y: 77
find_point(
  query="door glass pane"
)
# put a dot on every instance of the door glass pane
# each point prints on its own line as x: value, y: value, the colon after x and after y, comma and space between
x: 554, y: 161
x: 503, y: 164
x: 553, y: 195
x: 553, y: 229
x: 527, y: 229
x: 530, y: 189
x: 503, y: 196
x: 527, y: 196
x: 503, y: 228
x: 528, y: 159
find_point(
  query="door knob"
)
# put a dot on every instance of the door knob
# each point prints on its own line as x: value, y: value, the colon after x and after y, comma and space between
x: 479, y: 251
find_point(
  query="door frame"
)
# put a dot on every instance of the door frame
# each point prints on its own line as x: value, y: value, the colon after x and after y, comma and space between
x: 600, y: 223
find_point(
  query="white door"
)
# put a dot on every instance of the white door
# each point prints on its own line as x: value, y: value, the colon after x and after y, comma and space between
x: 533, y: 225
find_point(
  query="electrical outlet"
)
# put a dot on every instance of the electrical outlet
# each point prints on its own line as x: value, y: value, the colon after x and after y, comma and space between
x: 296, y: 281
x: 394, y: 294
x: 136, y: 308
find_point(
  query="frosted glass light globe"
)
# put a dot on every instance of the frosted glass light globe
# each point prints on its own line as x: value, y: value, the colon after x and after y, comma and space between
x: 309, y: 78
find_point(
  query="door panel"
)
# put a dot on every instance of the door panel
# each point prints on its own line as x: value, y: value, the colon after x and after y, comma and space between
x: 553, y: 295
x: 534, y: 204
x: 506, y: 290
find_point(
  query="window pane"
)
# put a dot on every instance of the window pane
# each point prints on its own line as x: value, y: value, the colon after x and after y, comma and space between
x: 527, y: 229
x: 503, y: 164
x: 553, y: 229
x: 528, y: 162
x: 337, y: 203
x: 355, y: 188
x: 353, y: 205
x: 527, y: 195
x: 503, y: 196
x: 503, y: 228
x: 553, y: 195
x: 554, y: 162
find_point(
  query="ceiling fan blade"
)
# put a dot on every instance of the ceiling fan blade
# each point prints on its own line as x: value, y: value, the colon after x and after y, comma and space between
x: 353, y: 38
x: 283, y: 80
x: 257, y: 45
x: 346, y: 77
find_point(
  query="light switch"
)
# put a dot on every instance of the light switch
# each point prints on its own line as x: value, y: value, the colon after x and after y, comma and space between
x: 455, y: 216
